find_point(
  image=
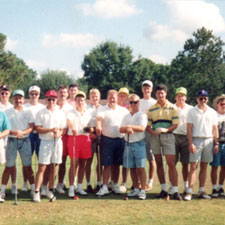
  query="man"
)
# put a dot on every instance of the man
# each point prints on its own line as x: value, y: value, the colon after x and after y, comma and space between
x: 108, y: 123
x: 34, y: 106
x: 180, y: 134
x: 65, y: 107
x: 201, y: 131
x: 145, y: 103
x: 50, y: 124
x: 134, y: 157
x: 162, y: 121
x: 22, y: 123
x: 73, y: 89
x: 219, y: 158
x: 4, y: 131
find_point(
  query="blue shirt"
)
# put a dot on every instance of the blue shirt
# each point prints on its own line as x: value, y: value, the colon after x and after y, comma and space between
x: 4, y: 122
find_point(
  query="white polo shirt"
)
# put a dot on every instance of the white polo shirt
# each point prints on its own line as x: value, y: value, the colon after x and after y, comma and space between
x: 50, y: 119
x: 94, y: 112
x: 65, y: 108
x: 5, y: 107
x: 80, y: 121
x: 145, y: 104
x: 138, y: 119
x: 202, y: 121
x: 19, y: 120
x: 112, y: 119
x: 182, y: 113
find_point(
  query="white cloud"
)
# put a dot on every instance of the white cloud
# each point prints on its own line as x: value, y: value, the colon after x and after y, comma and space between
x: 109, y: 8
x: 159, y: 59
x: 191, y: 15
x: 36, y: 65
x: 158, y: 32
x: 10, y: 44
x: 70, y: 40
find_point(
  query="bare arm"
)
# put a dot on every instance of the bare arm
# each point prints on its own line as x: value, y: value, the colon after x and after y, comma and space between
x: 216, y: 139
x: 134, y: 128
x: 4, y: 133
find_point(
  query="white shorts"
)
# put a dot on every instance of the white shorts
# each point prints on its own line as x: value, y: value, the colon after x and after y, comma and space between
x: 50, y: 151
x: 2, y: 151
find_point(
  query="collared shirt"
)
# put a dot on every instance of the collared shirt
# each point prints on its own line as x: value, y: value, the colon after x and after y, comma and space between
x: 112, y: 119
x: 162, y: 116
x: 4, y: 122
x: 182, y: 113
x: 138, y: 119
x: 50, y: 119
x: 94, y: 111
x: 202, y: 122
x: 19, y: 120
x: 5, y: 107
x: 145, y: 104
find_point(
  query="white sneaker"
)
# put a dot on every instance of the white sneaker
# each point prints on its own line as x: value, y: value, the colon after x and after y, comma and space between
x: 59, y: 189
x: 188, y: 197
x: 203, y: 195
x: 81, y: 191
x: 71, y: 192
x: 123, y: 188
x: 44, y: 191
x: 2, y: 195
x: 25, y: 187
x: 2, y: 200
x: 133, y: 193
x: 116, y: 189
x: 102, y: 191
x: 14, y: 190
x: 142, y: 195
x: 36, y: 197
x: 51, y: 196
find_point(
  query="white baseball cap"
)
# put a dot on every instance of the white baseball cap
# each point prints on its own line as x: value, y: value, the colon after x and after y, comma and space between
x: 147, y: 82
x: 34, y: 88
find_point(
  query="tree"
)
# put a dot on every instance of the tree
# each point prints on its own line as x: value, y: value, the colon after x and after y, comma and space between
x: 200, y: 65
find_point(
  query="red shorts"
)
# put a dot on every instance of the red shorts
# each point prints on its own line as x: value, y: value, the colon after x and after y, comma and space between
x: 82, y: 147
x: 65, y: 145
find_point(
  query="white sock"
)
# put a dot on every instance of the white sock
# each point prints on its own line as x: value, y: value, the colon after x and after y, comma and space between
x: 220, y: 186
x: 214, y: 186
x: 185, y: 184
x: 88, y: 183
x: 175, y: 189
x: 171, y: 186
x: 32, y: 186
x: 79, y: 186
x: 14, y: 184
x: 114, y: 184
x: 189, y: 190
x: 25, y: 183
x: 136, y: 189
x: 99, y: 183
x: 164, y: 187
x: 3, y: 188
x: 150, y: 182
x: 72, y: 187
x: 201, y: 189
x: 105, y: 187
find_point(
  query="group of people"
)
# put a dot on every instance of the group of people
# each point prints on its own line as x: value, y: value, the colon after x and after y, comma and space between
x: 127, y: 132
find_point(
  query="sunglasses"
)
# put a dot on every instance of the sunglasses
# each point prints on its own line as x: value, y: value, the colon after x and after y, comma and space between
x: 33, y: 94
x: 203, y: 98
x: 134, y: 102
x: 51, y: 99
x: 4, y: 93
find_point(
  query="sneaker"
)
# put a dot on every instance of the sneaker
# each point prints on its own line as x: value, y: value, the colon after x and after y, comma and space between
x: 203, y: 195
x: 148, y: 187
x: 36, y: 197
x: 133, y: 193
x: 215, y: 193
x: 2, y: 195
x: 185, y: 191
x: 188, y: 197
x: 221, y: 192
x: 81, y: 191
x: 59, y: 189
x: 122, y: 188
x: 14, y: 190
x: 116, y: 189
x: 142, y: 195
x: 51, y: 196
x: 71, y: 193
x: 162, y: 194
x: 177, y: 196
x: 90, y: 189
x: 25, y: 187
x: 102, y: 191
x: 2, y: 200
x: 170, y: 192
x: 98, y: 187
x: 44, y: 191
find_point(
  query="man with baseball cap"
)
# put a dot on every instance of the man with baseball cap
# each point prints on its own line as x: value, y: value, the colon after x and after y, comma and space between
x: 201, y: 132
x: 22, y: 123
x: 50, y: 124
x: 145, y: 103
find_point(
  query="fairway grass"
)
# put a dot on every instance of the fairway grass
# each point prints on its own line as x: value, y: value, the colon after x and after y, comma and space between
x: 112, y: 209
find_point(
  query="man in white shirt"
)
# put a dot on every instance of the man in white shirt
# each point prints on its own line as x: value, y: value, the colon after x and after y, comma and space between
x: 5, y: 96
x: 73, y: 89
x: 201, y: 131
x: 22, y: 123
x: 180, y: 134
x: 145, y: 103
x: 108, y: 124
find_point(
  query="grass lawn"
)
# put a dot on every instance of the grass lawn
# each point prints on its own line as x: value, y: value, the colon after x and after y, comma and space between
x: 112, y: 209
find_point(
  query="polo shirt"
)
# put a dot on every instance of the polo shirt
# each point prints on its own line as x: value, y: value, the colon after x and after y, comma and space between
x: 4, y: 122
x: 163, y: 117
x: 202, y: 122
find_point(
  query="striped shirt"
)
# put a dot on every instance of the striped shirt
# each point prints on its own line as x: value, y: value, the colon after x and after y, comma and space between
x: 162, y: 117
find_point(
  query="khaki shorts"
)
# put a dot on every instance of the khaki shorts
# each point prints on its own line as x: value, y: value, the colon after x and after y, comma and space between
x: 149, y: 153
x: 182, y: 148
x: 204, y: 150
x: 163, y: 143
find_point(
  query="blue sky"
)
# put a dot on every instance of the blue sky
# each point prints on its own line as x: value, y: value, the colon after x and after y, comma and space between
x: 56, y: 34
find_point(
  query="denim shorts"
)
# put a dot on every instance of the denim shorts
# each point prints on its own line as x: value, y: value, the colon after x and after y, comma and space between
x: 35, y: 143
x: 219, y: 158
x: 134, y: 155
x: 112, y: 151
x: 24, y: 148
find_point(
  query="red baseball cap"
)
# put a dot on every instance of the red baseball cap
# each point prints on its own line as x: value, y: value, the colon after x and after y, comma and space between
x: 51, y: 93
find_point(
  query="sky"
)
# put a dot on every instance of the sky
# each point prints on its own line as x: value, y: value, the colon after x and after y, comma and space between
x: 56, y: 34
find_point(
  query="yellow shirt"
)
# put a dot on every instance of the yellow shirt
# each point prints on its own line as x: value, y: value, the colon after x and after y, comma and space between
x: 163, y: 117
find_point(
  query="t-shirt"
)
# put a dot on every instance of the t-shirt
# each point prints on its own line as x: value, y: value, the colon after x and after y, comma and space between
x: 5, y: 107
x: 145, y: 104
x: 221, y: 126
x: 19, y: 120
x: 138, y: 119
x: 4, y: 122
x: 93, y: 110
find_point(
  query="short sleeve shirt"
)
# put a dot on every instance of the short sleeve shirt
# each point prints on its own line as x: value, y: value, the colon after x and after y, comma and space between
x: 4, y: 122
x: 145, y: 104
x: 221, y: 126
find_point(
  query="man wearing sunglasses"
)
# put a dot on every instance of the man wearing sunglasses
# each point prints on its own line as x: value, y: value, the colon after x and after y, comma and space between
x: 201, y: 132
